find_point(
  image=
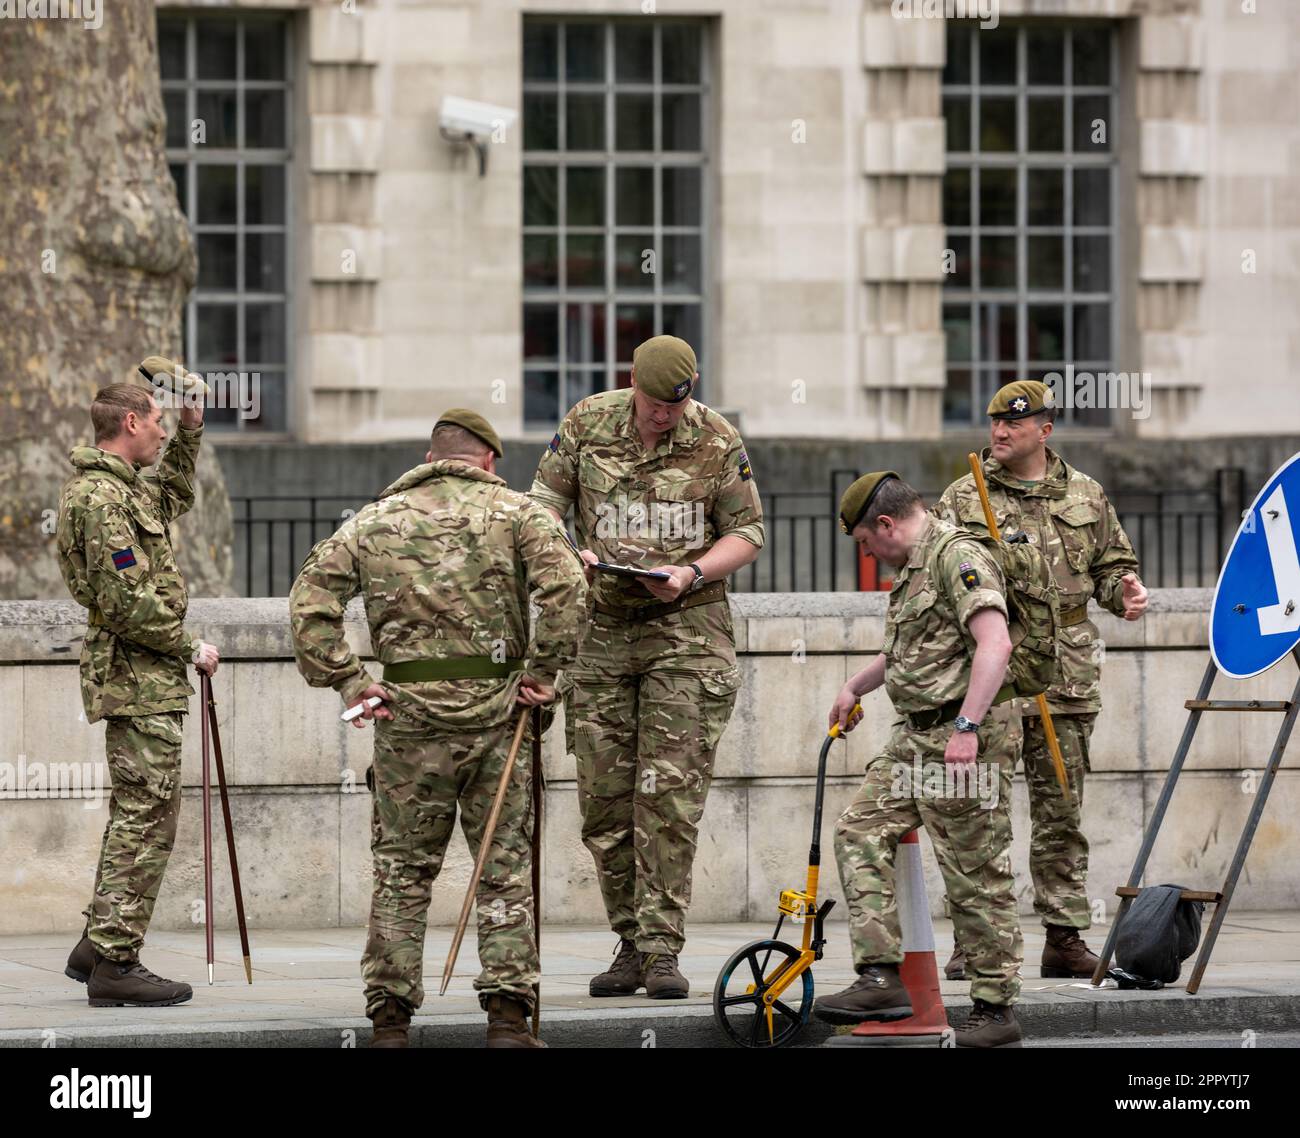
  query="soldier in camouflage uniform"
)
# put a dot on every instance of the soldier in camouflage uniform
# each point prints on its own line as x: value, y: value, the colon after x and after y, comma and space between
x: 947, y: 764
x: 445, y: 562
x: 115, y: 552
x: 1069, y: 517
x: 657, y: 481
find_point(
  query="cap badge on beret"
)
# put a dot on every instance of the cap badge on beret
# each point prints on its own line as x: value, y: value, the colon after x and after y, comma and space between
x: 1020, y: 403
x: 664, y: 368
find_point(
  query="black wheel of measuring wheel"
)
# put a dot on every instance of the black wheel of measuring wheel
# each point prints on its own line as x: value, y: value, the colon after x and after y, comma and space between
x: 738, y: 996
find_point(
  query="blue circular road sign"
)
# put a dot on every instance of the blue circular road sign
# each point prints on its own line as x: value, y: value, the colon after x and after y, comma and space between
x: 1255, y: 618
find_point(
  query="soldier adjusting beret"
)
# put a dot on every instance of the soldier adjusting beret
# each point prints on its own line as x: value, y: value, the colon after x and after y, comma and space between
x: 664, y: 368
x: 1019, y: 399
x: 858, y: 497
x: 169, y: 375
x: 475, y: 424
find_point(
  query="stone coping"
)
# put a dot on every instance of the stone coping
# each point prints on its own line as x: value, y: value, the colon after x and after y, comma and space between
x: 258, y: 627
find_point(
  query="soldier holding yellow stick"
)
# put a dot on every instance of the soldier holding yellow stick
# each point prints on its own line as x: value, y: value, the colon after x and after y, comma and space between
x: 1068, y: 516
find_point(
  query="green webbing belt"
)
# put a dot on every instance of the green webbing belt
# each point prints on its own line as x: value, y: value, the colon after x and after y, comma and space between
x: 458, y: 668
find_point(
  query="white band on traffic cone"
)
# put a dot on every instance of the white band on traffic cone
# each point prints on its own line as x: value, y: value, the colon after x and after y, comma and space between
x: 909, y: 890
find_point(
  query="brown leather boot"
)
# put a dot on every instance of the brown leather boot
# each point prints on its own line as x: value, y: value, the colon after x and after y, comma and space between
x: 508, y: 1023
x: 1065, y: 955
x: 989, y: 1025
x: 392, y: 1022
x: 878, y: 993
x: 129, y: 984
x: 663, y: 981
x: 623, y: 977
x: 81, y: 961
x: 955, y: 969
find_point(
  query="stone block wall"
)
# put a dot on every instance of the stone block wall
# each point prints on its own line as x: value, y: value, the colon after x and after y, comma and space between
x: 301, y: 810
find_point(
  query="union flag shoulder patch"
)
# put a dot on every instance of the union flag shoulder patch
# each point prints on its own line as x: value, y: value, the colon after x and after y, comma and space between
x: 745, y: 472
x: 968, y: 574
x: 124, y: 558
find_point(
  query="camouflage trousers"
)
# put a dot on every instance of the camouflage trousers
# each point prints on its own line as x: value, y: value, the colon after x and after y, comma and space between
x: 646, y: 705
x: 421, y: 776
x: 144, y: 764
x: 970, y: 830
x: 1058, y: 851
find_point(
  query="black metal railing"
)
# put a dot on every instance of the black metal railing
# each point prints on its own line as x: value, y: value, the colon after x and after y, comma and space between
x: 274, y: 534
x: 1180, y: 536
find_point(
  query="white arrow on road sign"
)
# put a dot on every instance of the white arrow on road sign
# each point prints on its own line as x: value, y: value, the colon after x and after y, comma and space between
x: 1285, y: 615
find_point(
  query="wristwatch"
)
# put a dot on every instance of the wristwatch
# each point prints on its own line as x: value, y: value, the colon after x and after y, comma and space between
x: 961, y: 723
x: 699, y: 577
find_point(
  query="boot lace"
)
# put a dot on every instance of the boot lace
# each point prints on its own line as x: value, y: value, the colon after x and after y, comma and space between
x: 625, y: 956
x: 661, y: 964
x: 980, y: 1014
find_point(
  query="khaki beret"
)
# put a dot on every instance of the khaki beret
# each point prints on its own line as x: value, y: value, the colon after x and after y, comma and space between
x: 664, y: 368
x: 475, y: 424
x: 163, y: 374
x: 857, y: 499
x: 1019, y: 399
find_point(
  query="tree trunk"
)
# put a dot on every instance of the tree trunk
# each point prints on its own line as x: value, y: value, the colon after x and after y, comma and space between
x: 95, y: 262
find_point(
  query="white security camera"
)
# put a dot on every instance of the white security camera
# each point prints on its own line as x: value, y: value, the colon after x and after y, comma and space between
x: 463, y: 120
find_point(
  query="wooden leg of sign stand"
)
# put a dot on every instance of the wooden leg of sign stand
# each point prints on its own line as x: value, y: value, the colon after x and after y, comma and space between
x: 1221, y: 900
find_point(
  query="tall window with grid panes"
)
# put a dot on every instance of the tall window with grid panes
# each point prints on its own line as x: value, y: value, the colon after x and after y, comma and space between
x: 615, y: 191
x: 226, y: 93
x: 1029, y: 206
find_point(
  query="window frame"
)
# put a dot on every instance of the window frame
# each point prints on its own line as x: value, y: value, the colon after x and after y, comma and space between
x: 610, y: 159
x: 241, y: 157
x: 1022, y: 160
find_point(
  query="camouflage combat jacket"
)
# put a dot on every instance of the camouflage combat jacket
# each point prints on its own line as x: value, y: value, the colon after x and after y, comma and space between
x: 928, y: 645
x: 445, y: 562
x: 1073, y: 522
x: 647, y: 508
x: 115, y: 552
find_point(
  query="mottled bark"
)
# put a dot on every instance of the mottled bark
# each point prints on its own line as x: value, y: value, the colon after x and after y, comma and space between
x: 95, y: 262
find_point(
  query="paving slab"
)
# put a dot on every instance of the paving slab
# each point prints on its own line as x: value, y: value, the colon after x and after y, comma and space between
x: 307, y: 991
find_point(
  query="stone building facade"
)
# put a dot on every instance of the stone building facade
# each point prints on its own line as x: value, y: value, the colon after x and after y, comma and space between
x: 866, y: 215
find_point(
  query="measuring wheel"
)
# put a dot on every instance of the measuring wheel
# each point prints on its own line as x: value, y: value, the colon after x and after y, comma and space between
x: 738, y: 995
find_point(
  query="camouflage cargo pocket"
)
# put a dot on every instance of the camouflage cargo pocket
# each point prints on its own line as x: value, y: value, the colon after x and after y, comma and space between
x: 144, y: 752
x: 717, y: 698
x: 1075, y: 531
x: 563, y: 695
x: 973, y: 834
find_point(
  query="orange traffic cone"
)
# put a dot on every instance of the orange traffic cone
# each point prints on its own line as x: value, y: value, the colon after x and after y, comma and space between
x: 920, y: 970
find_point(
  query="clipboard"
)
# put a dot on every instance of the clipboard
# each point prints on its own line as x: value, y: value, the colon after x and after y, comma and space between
x: 631, y: 571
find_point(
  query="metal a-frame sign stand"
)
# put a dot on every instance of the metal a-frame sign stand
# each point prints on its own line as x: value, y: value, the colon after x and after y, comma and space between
x: 1223, y: 898
x: 1254, y: 623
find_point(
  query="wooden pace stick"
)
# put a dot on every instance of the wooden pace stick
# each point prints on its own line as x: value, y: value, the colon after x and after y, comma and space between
x: 204, y: 694
x: 230, y: 830
x: 539, y: 792
x: 485, y: 844
x: 1049, y: 729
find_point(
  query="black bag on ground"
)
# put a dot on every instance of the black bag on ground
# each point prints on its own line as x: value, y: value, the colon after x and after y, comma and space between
x: 1159, y: 933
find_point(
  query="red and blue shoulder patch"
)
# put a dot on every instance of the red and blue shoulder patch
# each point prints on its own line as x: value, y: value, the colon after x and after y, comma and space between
x: 124, y: 558
x: 554, y: 444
